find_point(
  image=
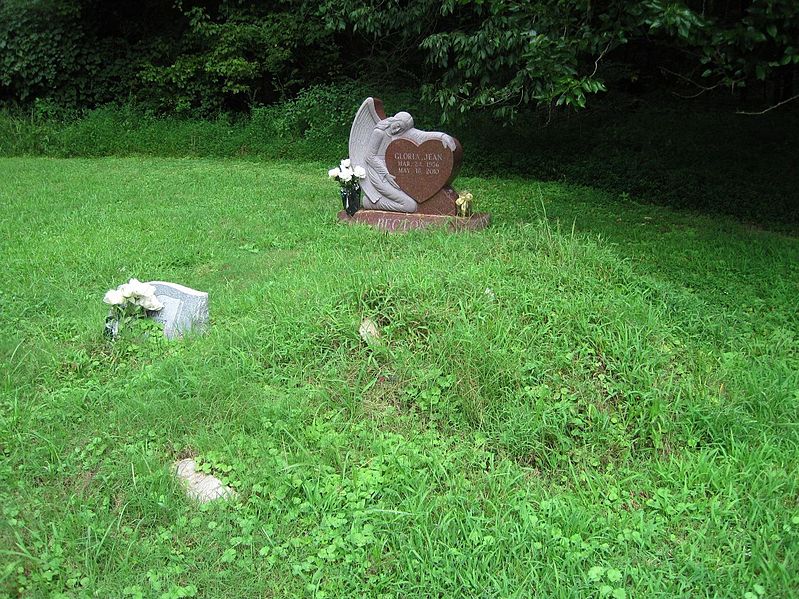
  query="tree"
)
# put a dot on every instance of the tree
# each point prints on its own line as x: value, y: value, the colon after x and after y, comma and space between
x: 505, y: 54
x: 237, y: 54
x: 193, y: 56
x: 203, y: 56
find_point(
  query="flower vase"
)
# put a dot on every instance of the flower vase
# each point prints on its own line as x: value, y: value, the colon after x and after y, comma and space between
x: 351, y: 198
x: 111, y: 326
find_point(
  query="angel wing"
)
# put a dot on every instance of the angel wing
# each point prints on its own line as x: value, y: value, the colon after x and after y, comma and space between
x: 368, y: 115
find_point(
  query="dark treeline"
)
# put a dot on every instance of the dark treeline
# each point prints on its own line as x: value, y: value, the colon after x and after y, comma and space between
x: 202, y: 58
x: 191, y: 58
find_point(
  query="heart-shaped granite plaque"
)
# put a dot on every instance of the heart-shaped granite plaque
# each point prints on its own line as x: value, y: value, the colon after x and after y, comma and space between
x: 421, y: 171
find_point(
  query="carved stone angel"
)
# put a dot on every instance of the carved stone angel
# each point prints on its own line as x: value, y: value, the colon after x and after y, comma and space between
x: 370, y: 136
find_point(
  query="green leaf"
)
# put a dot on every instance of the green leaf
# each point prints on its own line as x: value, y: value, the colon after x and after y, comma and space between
x: 596, y: 572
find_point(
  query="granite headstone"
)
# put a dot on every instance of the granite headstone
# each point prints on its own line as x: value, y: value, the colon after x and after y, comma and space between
x: 185, y: 310
x: 408, y: 173
x: 422, y: 170
x: 407, y: 170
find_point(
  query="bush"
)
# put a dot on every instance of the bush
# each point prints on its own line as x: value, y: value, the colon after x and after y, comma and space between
x: 314, y: 125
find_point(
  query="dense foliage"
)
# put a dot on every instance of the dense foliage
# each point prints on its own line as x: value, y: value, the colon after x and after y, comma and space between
x: 190, y: 58
x: 201, y: 57
x: 506, y: 54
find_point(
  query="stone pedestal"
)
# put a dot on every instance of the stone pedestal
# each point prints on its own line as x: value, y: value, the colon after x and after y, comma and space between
x: 400, y: 222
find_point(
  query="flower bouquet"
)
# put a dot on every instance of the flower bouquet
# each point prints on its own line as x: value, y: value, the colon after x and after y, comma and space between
x: 349, y: 179
x: 464, y: 203
x: 128, y: 302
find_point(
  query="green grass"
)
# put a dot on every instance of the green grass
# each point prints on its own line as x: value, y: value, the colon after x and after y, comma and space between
x: 679, y: 153
x: 618, y: 417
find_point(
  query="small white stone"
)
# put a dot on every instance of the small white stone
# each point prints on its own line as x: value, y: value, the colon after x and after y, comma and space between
x: 369, y: 331
x: 200, y: 486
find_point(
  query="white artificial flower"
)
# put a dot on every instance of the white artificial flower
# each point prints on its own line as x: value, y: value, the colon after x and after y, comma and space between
x: 146, y: 289
x: 150, y: 302
x: 333, y: 173
x: 114, y: 297
x: 134, y: 290
x: 128, y: 289
x: 141, y: 289
x: 345, y: 163
x: 359, y: 172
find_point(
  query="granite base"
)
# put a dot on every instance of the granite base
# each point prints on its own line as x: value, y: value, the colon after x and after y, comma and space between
x: 399, y: 222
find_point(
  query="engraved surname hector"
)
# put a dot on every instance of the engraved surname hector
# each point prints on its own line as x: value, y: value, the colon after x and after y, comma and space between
x: 399, y: 224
